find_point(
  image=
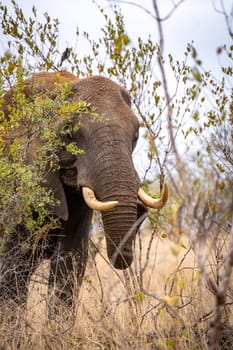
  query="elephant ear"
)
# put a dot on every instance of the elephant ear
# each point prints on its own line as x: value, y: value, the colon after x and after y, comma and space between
x: 53, y: 182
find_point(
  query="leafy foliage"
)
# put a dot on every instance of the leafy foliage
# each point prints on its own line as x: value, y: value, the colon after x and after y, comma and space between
x: 34, y: 42
x: 30, y: 131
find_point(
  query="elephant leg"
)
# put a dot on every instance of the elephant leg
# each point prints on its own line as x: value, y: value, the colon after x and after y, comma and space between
x: 69, y: 261
x: 16, y: 268
x: 19, y: 259
x: 66, y: 273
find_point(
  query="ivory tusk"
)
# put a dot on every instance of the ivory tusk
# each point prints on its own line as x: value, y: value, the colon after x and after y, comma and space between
x: 93, y: 203
x: 151, y: 202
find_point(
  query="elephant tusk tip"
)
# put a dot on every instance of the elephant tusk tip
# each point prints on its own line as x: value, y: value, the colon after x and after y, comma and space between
x: 151, y: 202
x: 93, y: 203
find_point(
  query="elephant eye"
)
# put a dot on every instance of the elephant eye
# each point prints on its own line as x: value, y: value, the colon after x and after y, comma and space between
x: 67, y: 130
x: 135, y: 139
x: 126, y: 97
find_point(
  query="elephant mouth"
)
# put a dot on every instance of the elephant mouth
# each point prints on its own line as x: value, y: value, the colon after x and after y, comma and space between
x: 93, y: 203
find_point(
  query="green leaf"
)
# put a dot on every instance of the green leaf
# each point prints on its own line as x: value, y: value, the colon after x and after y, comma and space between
x: 74, y: 149
x: 170, y: 343
x: 139, y: 296
x: 196, y: 75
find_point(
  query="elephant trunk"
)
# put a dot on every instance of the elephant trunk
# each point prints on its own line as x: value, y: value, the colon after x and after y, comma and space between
x: 118, y: 226
x: 119, y: 221
x: 113, y: 178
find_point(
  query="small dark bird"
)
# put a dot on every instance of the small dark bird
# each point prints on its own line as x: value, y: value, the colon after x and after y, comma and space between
x: 65, y: 55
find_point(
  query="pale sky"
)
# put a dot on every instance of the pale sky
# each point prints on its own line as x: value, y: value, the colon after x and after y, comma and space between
x: 194, y: 20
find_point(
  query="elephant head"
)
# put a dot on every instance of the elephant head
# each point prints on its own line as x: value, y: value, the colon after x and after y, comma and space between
x: 104, y: 174
x: 105, y: 171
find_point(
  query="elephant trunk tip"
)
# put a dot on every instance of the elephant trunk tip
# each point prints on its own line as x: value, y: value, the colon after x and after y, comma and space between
x: 121, y: 260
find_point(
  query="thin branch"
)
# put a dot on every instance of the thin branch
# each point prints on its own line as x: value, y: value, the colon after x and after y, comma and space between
x: 180, y: 164
x: 118, y: 249
x: 131, y: 3
x: 156, y: 18
x: 223, y: 12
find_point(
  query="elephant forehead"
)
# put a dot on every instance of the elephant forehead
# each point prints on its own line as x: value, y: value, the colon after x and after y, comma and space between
x: 110, y: 118
x: 110, y: 131
x: 105, y: 95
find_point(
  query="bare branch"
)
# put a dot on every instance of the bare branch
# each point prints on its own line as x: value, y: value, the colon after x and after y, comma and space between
x: 180, y: 164
x: 228, y: 17
x: 161, y: 19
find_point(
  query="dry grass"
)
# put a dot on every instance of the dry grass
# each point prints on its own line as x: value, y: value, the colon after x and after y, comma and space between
x: 163, y: 303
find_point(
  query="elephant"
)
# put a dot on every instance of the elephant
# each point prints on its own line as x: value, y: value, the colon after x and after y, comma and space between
x: 102, y: 178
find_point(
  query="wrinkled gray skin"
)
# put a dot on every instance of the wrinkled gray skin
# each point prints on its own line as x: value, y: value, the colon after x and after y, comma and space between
x: 106, y: 167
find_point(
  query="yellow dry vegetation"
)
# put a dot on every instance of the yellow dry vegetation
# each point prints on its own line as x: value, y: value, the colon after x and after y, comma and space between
x: 162, y: 303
